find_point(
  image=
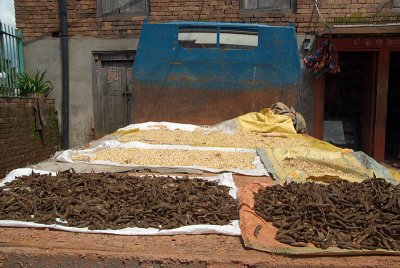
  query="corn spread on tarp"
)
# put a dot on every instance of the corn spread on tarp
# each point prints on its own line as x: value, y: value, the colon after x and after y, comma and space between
x: 137, y: 154
x: 225, y: 179
x: 286, y: 155
x: 290, y: 156
x: 302, y: 163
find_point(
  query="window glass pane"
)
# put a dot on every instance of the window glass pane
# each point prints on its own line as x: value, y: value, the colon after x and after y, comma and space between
x: 396, y: 3
x: 198, y: 37
x: 250, y: 4
x: 274, y: 4
x: 266, y: 4
x: 238, y: 39
x: 122, y: 6
x: 130, y: 6
x: 107, y: 6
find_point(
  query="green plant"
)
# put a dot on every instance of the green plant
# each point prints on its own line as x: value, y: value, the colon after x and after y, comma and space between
x: 34, y: 84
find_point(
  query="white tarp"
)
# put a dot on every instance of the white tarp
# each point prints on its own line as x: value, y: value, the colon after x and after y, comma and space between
x: 259, y: 170
x: 225, y: 179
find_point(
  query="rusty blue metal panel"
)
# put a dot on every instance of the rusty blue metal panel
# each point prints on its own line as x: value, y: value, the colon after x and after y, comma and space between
x: 273, y: 63
x: 207, y: 85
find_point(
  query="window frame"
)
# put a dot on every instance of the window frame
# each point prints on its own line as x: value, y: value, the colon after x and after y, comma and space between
x: 100, y: 14
x: 224, y: 30
x: 292, y: 9
x: 395, y: 9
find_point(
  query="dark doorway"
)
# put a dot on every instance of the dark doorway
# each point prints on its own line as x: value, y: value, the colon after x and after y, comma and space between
x: 112, y: 91
x: 392, y: 148
x: 350, y: 102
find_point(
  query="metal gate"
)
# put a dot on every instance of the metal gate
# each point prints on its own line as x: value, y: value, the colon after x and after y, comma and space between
x: 11, y: 59
x: 112, y: 91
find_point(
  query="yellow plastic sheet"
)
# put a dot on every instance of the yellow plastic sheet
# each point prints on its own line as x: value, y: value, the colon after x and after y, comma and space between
x: 266, y: 121
x: 395, y: 174
x: 308, y: 163
x: 123, y: 132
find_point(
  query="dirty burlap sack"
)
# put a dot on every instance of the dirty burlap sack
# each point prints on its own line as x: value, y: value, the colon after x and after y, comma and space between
x: 297, y: 119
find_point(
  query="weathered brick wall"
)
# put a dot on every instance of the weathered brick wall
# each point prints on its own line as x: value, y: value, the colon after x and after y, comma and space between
x: 20, y: 143
x: 40, y: 18
x: 338, y: 12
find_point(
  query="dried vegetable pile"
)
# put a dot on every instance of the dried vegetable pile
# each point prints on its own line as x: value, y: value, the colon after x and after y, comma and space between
x: 116, y: 201
x: 346, y: 215
x: 212, y: 139
x: 158, y: 157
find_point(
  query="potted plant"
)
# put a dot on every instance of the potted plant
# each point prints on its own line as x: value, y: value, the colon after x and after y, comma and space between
x: 34, y: 85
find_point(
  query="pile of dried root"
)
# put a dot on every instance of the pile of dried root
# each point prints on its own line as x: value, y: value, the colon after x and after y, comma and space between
x: 116, y: 201
x: 346, y: 215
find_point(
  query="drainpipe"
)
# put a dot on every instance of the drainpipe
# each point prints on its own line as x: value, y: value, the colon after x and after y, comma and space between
x: 64, y: 75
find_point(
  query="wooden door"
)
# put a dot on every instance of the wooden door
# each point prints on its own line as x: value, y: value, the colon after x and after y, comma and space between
x: 112, y: 92
x: 368, y: 100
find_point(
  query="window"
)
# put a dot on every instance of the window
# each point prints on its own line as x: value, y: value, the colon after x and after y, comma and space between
x: 269, y: 5
x: 207, y: 37
x: 395, y: 9
x: 238, y: 39
x: 198, y: 37
x: 120, y: 7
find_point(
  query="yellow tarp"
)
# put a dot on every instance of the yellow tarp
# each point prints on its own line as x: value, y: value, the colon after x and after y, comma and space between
x: 302, y: 163
x: 318, y: 144
x: 395, y: 174
x: 266, y: 121
x: 318, y: 161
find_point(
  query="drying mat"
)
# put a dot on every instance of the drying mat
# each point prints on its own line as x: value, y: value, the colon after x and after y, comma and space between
x: 225, y: 179
x: 259, y: 234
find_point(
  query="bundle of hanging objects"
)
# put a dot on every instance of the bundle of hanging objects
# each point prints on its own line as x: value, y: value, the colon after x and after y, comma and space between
x: 324, y: 60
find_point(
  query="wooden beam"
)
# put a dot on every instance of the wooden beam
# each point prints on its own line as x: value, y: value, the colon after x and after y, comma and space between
x: 364, y: 29
x: 381, y: 105
x: 364, y: 43
x: 319, y: 104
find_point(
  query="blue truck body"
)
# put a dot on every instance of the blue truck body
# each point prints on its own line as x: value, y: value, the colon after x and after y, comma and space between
x: 203, y: 72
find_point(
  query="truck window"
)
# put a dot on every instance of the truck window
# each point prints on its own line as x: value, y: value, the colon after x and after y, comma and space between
x: 238, y: 38
x: 197, y: 37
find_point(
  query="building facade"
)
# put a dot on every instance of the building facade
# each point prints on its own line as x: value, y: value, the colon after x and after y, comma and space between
x: 103, y: 37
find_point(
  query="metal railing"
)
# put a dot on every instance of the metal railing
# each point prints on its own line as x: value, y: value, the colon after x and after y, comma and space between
x: 11, y: 59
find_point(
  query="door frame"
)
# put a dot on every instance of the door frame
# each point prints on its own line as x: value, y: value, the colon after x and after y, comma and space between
x: 97, y: 58
x: 383, y: 46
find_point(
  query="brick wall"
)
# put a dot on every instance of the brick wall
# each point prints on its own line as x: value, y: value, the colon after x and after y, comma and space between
x: 345, y: 12
x: 20, y: 143
x: 40, y: 18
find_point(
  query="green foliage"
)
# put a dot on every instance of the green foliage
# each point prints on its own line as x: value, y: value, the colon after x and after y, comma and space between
x: 34, y: 84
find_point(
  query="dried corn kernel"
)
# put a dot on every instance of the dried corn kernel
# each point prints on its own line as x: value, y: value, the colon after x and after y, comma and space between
x: 153, y: 157
x: 211, y: 139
